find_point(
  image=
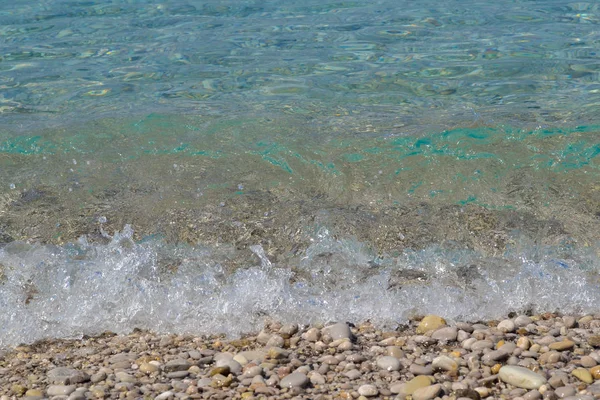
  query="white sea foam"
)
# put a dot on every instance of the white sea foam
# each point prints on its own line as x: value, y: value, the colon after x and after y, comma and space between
x: 82, y: 288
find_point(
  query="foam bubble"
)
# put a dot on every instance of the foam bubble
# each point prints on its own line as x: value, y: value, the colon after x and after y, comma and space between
x: 83, y: 288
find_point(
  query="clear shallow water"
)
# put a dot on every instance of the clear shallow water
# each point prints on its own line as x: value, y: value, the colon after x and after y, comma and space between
x: 201, y: 166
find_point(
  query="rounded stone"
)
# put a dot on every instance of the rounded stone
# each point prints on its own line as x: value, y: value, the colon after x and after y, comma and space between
x: 522, y: 320
x: 446, y: 334
x: 164, y: 395
x: 408, y: 388
x: 521, y: 377
x: 388, y: 363
x: 177, y: 365
x: 562, y: 345
x: 60, y: 390
x: 312, y: 335
x: 368, y: 391
x: 583, y: 375
x: 288, y: 330
x: 430, y: 323
x: 275, y: 341
x: 427, y: 393
x: 148, y: 368
x: 338, y: 331
x: 295, y: 379
x: 565, y: 391
x: 67, y: 376
x: 394, y: 351
x: 506, y: 326
x: 444, y: 363
x: 317, y: 379
x: 587, y: 362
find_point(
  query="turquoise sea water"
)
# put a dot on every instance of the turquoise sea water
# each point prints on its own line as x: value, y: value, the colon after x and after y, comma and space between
x: 200, y: 166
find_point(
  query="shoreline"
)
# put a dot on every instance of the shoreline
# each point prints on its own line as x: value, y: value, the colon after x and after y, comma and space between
x: 522, y: 357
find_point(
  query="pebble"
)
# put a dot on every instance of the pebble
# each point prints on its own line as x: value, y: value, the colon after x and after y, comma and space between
x: 444, y: 363
x: 583, y: 375
x: 164, y: 395
x: 408, y: 388
x: 368, y: 391
x: 312, y: 335
x: 317, y: 379
x: 338, y: 331
x: 562, y: 345
x: 430, y: 323
x: 176, y: 365
x: 427, y: 392
x: 60, y: 390
x: 148, y: 368
x: 296, y: 379
x: 506, y: 325
x: 565, y: 391
x: 388, y: 363
x: 521, y: 377
x: 67, y: 376
x: 447, y: 334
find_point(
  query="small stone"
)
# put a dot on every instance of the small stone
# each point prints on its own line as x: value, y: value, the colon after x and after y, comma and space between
x: 583, y: 375
x: 444, y: 363
x: 447, y: 334
x: 482, y: 344
x: 251, y: 355
x: 523, y: 343
x: 125, y: 377
x: 595, y: 371
x: 417, y: 369
x: 388, y: 363
x: 430, y: 323
x: 67, y: 376
x: 275, y: 341
x: 317, y: 379
x: 493, y: 356
x: 532, y: 395
x: 368, y: 391
x: 98, y: 377
x: 177, y: 374
x: 295, y: 379
x: 252, y: 371
x: 276, y: 353
x: 263, y: 337
x: 312, y: 335
x: 565, y: 391
x: 287, y: 331
x: 408, y: 388
x: 506, y: 326
x: 594, y: 340
x: 177, y: 365
x: 467, y: 394
x: 394, y: 351
x: 122, y: 358
x: 34, y: 393
x: 353, y: 374
x: 587, y: 362
x: 338, y: 331
x: 60, y: 390
x: 148, y: 368
x: 222, y: 370
x: 562, y: 345
x: 521, y: 377
x: 522, y: 321
x: 569, y: 321
x: 164, y: 395
x: 427, y: 393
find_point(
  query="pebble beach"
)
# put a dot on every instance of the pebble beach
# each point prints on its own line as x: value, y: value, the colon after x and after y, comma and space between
x: 547, y: 356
